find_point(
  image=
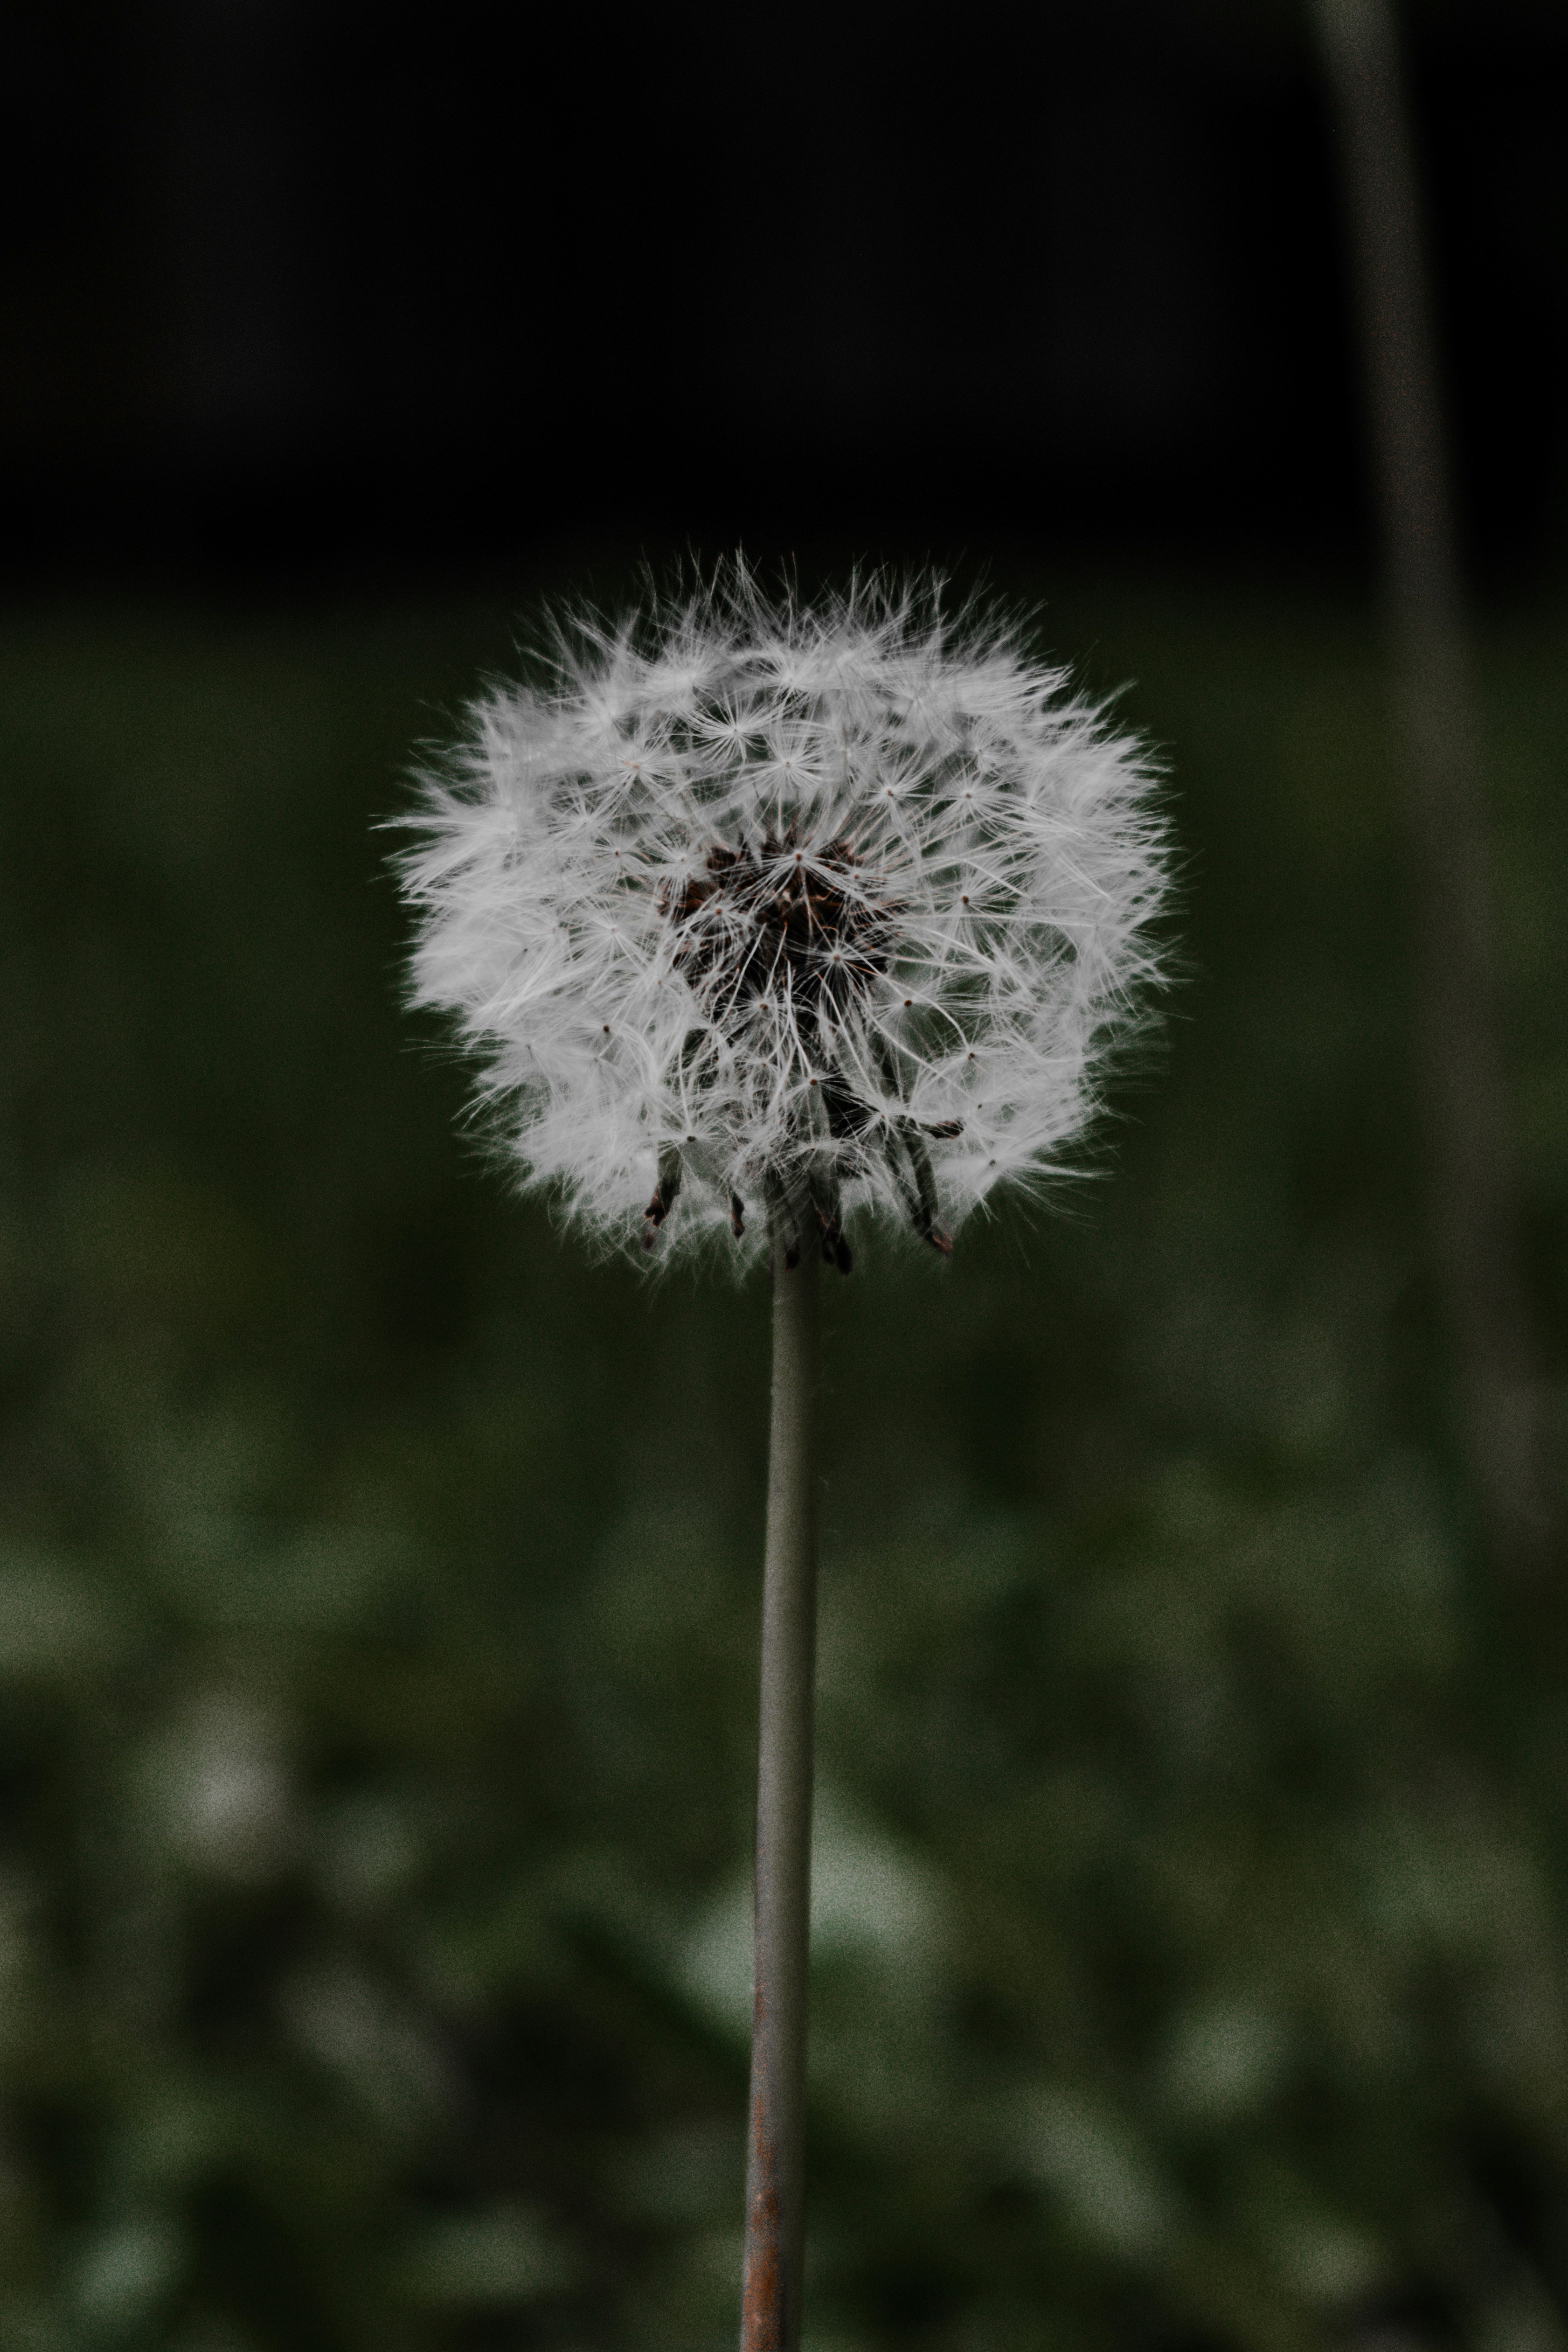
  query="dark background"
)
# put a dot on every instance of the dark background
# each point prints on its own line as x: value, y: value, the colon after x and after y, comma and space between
x: 378, y: 1578
x: 378, y: 288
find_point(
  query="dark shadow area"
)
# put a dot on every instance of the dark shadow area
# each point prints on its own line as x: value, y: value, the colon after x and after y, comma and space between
x: 293, y: 289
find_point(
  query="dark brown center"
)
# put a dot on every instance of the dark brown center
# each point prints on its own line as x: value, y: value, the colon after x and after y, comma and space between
x: 780, y: 921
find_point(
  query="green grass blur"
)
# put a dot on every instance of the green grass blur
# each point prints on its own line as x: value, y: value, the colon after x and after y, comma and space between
x: 379, y: 1582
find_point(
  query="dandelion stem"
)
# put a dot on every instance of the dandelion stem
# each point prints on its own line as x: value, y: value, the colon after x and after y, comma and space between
x: 776, y: 2162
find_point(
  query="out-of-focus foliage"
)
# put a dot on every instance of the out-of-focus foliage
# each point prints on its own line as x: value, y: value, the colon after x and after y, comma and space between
x: 378, y: 1607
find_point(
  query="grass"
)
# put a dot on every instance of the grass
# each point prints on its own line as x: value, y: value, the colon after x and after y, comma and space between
x: 381, y: 1604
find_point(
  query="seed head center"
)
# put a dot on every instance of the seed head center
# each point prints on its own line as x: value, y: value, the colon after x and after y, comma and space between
x: 780, y: 921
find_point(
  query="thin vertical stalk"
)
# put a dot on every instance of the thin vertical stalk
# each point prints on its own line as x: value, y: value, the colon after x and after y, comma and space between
x: 1474, y: 1215
x: 776, y: 2159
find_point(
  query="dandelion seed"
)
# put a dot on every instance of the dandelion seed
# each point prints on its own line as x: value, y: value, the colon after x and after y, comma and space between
x: 820, y: 936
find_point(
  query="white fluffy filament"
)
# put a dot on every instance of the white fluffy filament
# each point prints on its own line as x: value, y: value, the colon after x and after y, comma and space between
x: 810, y: 911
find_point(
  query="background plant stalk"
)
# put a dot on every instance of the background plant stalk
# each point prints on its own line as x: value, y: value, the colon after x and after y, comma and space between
x: 775, y: 2157
x: 1474, y: 1216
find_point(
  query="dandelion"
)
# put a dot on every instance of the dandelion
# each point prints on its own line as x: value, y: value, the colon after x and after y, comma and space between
x: 771, y: 925
x: 766, y: 923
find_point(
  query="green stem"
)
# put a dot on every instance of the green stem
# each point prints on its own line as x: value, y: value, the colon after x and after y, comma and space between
x: 775, y: 2162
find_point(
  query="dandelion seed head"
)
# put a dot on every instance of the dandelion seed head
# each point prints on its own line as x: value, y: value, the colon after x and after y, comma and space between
x: 833, y: 909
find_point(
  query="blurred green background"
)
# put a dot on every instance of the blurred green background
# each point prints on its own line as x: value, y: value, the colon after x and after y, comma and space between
x: 378, y: 1607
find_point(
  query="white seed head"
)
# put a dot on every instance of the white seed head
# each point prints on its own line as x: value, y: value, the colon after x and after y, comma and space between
x: 785, y: 914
